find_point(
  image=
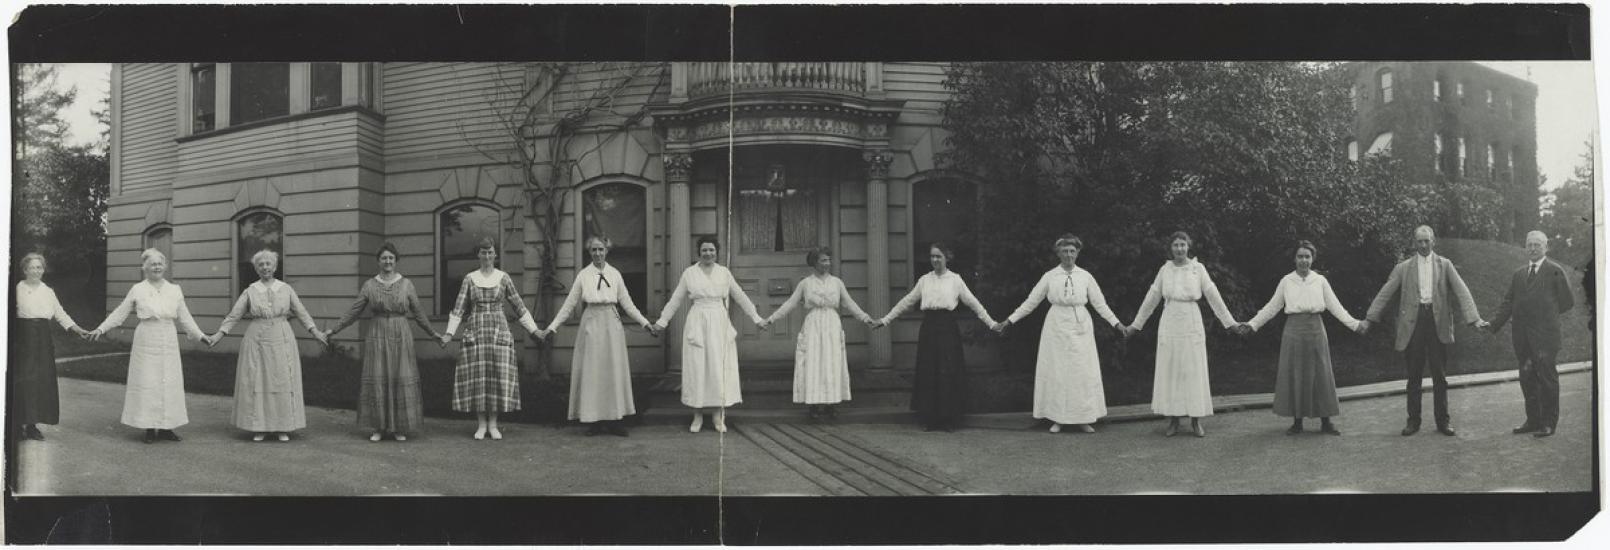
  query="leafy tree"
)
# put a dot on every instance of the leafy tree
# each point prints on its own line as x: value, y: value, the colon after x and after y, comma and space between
x: 1567, y: 213
x: 1245, y: 157
x: 37, y: 102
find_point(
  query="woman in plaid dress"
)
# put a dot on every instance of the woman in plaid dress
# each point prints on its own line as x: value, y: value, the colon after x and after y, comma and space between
x: 486, y: 380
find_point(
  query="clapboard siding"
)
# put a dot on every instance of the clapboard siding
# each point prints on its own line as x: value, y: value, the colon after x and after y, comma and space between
x: 591, y: 82
x: 920, y: 84
x: 287, y: 143
x: 442, y: 109
x: 149, y: 99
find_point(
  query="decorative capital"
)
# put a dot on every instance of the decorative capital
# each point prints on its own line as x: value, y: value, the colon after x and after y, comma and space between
x: 678, y: 167
x: 877, y: 163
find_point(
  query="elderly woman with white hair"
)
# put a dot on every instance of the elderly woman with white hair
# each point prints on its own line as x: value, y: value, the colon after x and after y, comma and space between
x: 154, y: 400
x: 268, y: 373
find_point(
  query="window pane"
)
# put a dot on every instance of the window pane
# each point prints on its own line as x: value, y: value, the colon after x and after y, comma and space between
x: 619, y: 212
x: 774, y: 214
x: 257, y: 231
x: 203, y: 96
x: 943, y: 211
x: 258, y: 91
x: 326, y: 85
x: 462, y: 228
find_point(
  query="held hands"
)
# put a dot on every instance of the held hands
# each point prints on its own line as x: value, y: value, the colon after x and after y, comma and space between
x: 445, y: 338
x: 1241, y: 329
x: 1000, y: 326
x: 652, y: 330
x: 1484, y: 326
x: 1363, y: 327
x: 80, y: 332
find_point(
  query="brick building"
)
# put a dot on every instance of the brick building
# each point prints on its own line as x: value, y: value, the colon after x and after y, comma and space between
x: 1452, y: 120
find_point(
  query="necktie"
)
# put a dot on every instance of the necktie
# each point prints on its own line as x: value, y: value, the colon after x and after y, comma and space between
x: 1531, y: 274
x: 602, y: 282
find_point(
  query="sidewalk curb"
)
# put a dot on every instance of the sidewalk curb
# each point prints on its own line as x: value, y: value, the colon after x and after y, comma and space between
x: 60, y: 360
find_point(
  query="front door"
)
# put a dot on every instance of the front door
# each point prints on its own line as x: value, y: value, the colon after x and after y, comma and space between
x: 781, y: 203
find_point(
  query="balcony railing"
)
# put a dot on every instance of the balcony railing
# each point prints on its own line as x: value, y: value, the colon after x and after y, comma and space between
x: 703, y: 79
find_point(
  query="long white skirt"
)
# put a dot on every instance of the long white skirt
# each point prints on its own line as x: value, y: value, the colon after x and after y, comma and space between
x: 600, y: 373
x: 821, y: 372
x: 1180, y: 383
x: 154, y: 398
x: 1067, y: 375
x: 710, y: 358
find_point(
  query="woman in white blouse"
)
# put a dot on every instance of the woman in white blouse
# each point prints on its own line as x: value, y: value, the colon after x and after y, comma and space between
x: 1180, y: 383
x: 268, y: 371
x: 154, y: 400
x: 1305, y: 386
x: 34, y: 397
x: 710, y: 348
x: 939, y: 393
x: 821, y: 371
x: 600, y: 374
x: 1067, y: 372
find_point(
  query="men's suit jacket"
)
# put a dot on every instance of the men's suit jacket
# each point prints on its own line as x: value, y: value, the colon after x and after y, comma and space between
x: 1536, y: 306
x: 1404, y: 286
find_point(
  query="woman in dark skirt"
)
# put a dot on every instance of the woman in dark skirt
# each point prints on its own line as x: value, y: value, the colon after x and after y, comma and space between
x: 939, y: 396
x: 1304, y: 385
x: 34, y: 398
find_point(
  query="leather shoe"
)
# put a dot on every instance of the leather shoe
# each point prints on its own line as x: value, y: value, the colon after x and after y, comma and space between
x: 1411, y: 429
x: 616, y: 429
x: 1446, y: 430
x: 171, y: 436
x: 1329, y: 430
x: 1544, y: 432
x: 32, y: 432
x: 150, y: 437
x: 1524, y: 429
x: 594, y: 429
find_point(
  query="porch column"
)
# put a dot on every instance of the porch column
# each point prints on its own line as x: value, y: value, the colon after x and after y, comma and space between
x: 679, y: 229
x: 880, y: 346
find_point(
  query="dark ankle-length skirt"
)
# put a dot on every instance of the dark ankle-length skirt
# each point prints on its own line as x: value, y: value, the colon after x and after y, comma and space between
x: 33, y: 372
x: 938, y: 397
x: 1304, y: 385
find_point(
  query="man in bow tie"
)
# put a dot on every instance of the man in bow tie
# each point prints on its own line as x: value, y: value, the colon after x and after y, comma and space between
x: 1538, y: 294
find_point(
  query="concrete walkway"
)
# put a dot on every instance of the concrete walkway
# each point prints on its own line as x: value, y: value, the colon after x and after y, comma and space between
x: 1246, y: 451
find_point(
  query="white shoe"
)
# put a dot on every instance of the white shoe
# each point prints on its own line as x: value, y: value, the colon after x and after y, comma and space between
x: 496, y: 435
x: 698, y: 423
x: 1086, y: 428
x: 1056, y: 428
x: 258, y: 436
x: 374, y: 436
x: 480, y: 433
x: 285, y: 437
x: 721, y: 421
x: 400, y: 437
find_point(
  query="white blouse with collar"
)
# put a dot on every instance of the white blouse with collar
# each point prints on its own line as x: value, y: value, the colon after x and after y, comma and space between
x: 939, y: 292
x: 40, y: 303
x: 1069, y: 288
x: 1311, y: 294
x: 597, y: 286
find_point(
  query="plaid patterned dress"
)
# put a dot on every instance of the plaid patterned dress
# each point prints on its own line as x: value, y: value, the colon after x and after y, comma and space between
x: 486, y: 378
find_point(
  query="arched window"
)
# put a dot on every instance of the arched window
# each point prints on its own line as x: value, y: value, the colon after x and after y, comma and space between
x: 1491, y: 159
x: 943, y: 210
x: 619, y: 211
x: 257, y: 230
x: 1383, y: 85
x: 1352, y: 149
x: 1459, y: 90
x: 160, y: 237
x: 1436, y: 89
x: 459, y: 227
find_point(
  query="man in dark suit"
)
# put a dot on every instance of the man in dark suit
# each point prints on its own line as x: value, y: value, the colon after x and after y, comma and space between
x: 1428, y: 290
x: 1538, y: 294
